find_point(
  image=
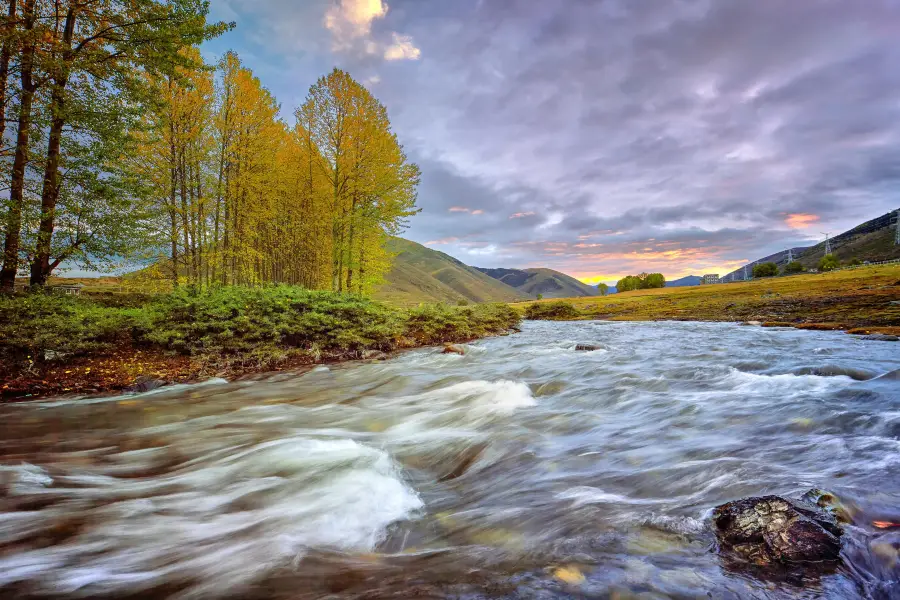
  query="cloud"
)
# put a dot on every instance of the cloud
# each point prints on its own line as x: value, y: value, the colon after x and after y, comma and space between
x: 351, y: 25
x: 350, y: 20
x: 442, y: 242
x: 800, y: 220
x: 402, y: 48
x: 696, y: 128
x: 458, y: 209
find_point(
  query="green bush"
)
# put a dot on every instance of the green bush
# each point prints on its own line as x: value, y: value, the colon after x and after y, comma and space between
x: 551, y: 311
x: 793, y: 268
x: 829, y: 262
x: 259, y: 324
x: 768, y: 269
x: 436, y: 323
x: 235, y: 320
x: 34, y: 325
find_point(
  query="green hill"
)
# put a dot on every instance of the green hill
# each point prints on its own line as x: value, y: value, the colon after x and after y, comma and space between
x: 420, y: 274
x: 547, y: 282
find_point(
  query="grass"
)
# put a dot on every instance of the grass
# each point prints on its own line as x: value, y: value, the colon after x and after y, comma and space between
x: 52, y: 343
x: 858, y: 300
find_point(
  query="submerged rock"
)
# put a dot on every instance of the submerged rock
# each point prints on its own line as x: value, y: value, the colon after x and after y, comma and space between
x: 752, y: 323
x: 453, y: 349
x: 882, y: 337
x: 586, y: 348
x: 771, y: 529
x: 146, y: 384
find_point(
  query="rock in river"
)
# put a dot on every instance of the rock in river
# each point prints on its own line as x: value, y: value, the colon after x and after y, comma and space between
x: 772, y: 529
x: 453, y: 349
x: 586, y: 348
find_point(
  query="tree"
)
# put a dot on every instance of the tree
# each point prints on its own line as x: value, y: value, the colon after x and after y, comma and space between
x: 829, y: 262
x: 768, y: 269
x: 28, y: 87
x: 371, y: 183
x: 603, y: 289
x: 628, y: 284
x: 540, y: 296
x: 653, y: 280
x: 793, y: 268
x: 100, y: 50
x: 855, y: 262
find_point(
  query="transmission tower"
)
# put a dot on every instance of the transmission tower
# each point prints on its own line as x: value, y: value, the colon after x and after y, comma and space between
x: 897, y: 232
x: 790, y: 255
x: 827, y: 243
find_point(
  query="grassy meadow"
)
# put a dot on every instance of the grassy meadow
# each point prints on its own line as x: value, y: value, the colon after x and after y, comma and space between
x: 865, y: 299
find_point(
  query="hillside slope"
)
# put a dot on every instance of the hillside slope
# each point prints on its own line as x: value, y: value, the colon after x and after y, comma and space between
x: 547, y: 282
x: 685, y: 281
x: 871, y: 241
x: 420, y: 274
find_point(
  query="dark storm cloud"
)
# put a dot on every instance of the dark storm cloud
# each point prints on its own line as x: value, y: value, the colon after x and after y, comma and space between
x: 677, y: 133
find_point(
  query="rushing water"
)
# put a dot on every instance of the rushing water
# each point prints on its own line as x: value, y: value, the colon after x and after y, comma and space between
x: 524, y: 469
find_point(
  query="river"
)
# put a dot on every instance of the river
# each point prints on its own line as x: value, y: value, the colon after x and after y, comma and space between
x: 523, y: 469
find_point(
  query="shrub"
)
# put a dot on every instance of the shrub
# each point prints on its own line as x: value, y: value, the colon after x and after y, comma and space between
x: 234, y: 320
x: 829, y: 262
x: 34, y: 324
x: 768, y: 269
x: 793, y: 267
x: 551, y: 311
x: 432, y: 324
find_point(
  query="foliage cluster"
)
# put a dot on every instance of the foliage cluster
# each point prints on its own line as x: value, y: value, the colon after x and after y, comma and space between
x: 234, y: 321
x: 793, y: 268
x: 768, y: 269
x: 829, y: 262
x: 551, y: 311
x: 126, y: 145
x: 644, y: 281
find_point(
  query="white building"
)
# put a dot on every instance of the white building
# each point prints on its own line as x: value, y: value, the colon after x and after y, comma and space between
x: 712, y: 278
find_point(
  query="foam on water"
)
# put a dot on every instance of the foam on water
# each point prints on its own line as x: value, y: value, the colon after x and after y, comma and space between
x: 221, y: 521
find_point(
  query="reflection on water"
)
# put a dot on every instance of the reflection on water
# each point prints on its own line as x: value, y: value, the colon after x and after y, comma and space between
x: 524, y: 469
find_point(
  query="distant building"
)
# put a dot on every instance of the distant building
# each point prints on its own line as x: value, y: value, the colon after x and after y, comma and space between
x: 711, y: 278
x: 69, y: 289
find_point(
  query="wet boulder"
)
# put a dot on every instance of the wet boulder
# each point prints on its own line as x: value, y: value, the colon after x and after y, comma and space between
x: 882, y: 337
x: 374, y: 355
x: 454, y: 349
x: 771, y: 530
x: 586, y: 348
x: 146, y: 384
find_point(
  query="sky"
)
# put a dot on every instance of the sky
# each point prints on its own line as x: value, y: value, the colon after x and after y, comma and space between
x: 608, y: 137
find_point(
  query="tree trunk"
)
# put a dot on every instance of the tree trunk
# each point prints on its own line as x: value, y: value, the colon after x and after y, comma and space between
x: 40, y: 267
x: 17, y: 185
x: 5, y: 54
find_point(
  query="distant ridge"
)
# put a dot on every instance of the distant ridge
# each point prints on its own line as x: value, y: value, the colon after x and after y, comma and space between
x: 546, y: 282
x: 685, y: 281
x: 420, y: 274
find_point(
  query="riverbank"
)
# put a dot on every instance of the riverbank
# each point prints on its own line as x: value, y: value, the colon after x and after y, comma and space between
x: 52, y: 344
x: 865, y: 300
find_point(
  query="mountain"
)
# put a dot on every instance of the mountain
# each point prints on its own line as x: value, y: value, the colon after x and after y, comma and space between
x: 685, y: 281
x: 547, y: 282
x: 420, y: 274
x: 871, y: 241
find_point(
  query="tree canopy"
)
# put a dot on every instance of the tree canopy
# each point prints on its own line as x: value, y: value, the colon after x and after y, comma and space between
x: 129, y: 147
x: 643, y: 281
x: 768, y: 269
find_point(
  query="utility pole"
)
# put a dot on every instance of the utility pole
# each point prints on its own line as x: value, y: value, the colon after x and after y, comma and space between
x: 827, y: 243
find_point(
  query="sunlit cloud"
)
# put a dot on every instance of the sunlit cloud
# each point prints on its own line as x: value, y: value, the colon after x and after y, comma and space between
x: 477, y: 212
x: 349, y: 20
x: 402, y: 48
x: 520, y: 215
x: 465, y: 209
x: 800, y: 220
x: 458, y: 209
x: 350, y: 23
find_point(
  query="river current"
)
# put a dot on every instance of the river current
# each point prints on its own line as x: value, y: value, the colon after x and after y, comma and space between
x: 524, y: 469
